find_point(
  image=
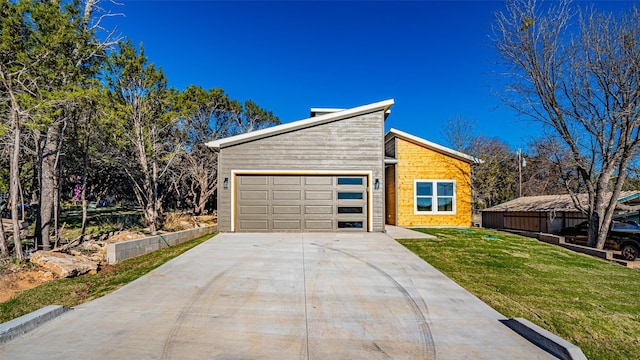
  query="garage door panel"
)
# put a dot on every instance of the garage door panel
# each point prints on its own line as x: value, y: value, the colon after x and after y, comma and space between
x: 287, y: 225
x: 311, y: 224
x: 318, y: 180
x: 254, y: 180
x: 318, y: 195
x: 254, y: 225
x: 286, y: 195
x: 286, y: 209
x: 254, y: 195
x: 286, y: 180
x: 261, y: 209
x: 318, y: 209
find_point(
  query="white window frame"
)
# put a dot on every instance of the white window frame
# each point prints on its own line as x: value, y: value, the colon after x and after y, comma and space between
x: 434, y: 197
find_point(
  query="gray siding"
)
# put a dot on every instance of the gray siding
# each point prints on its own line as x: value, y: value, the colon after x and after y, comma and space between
x: 390, y: 147
x: 352, y: 144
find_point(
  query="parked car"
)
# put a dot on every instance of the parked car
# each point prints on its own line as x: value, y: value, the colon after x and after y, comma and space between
x: 625, y: 233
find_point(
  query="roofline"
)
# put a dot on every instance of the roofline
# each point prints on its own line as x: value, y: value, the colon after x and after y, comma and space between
x: 333, y: 110
x: 630, y: 197
x: 328, y: 110
x: 504, y: 207
x: 432, y: 145
x: 300, y: 124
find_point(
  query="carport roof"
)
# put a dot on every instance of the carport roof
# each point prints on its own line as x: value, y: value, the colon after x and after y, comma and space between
x: 545, y: 203
x: 301, y: 124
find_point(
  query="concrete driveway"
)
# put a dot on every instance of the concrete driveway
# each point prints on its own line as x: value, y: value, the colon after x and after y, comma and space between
x: 283, y: 296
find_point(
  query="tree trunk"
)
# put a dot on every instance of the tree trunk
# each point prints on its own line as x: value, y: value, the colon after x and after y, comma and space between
x: 22, y: 208
x: 83, y: 194
x: 154, y: 195
x: 56, y: 204
x: 14, y: 181
x: 151, y: 215
x: 594, y: 229
x: 85, y: 166
x: 4, y: 249
x: 47, y: 186
x: 599, y: 221
x: 199, y: 205
x: 203, y: 197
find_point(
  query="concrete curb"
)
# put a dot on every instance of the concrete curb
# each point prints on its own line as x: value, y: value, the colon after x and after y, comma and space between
x: 25, y: 323
x: 545, y: 340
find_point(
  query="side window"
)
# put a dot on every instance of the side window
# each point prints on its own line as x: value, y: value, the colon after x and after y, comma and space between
x: 435, y: 196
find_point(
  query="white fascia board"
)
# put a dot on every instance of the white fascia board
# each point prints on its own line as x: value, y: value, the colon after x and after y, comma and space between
x: 332, y: 110
x: 432, y: 145
x: 300, y: 124
x: 326, y: 110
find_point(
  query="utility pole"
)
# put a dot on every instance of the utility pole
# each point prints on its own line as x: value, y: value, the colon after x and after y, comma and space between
x: 521, y: 163
x: 519, y: 173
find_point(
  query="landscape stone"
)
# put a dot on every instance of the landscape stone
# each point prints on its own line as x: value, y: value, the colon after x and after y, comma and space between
x: 63, y: 265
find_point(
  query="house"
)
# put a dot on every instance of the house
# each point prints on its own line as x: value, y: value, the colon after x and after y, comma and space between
x: 545, y: 213
x: 426, y: 184
x: 327, y: 173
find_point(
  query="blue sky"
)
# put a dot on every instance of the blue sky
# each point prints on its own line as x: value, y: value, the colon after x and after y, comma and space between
x: 433, y: 57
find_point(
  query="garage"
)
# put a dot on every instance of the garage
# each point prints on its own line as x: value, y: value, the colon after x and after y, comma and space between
x: 323, y: 173
x: 301, y: 203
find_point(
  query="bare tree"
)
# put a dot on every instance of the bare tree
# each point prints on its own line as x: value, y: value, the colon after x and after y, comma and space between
x: 548, y: 169
x: 581, y: 79
x: 208, y: 115
x: 495, y: 173
x: 459, y: 132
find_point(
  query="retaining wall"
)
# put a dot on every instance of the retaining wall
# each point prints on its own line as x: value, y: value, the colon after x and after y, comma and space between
x: 120, y: 251
x: 559, y: 240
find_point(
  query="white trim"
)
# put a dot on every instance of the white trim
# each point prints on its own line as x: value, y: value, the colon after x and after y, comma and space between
x: 434, y: 146
x: 434, y: 204
x: 326, y: 110
x: 300, y: 124
x: 333, y: 110
x: 368, y: 173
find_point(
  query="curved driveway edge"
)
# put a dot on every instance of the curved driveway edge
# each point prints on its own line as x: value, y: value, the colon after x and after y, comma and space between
x: 283, y: 296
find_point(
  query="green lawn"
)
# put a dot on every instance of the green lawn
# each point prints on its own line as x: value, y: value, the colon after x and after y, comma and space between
x: 74, y: 291
x: 589, y: 302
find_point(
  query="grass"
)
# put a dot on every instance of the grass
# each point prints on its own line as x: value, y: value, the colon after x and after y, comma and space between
x: 75, y: 291
x: 102, y: 220
x: 589, y: 302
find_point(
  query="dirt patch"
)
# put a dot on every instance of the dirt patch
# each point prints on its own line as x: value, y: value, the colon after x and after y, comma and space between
x: 14, y: 279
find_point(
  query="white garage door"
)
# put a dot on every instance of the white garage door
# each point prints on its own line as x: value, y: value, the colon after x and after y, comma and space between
x: 273, y: 203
